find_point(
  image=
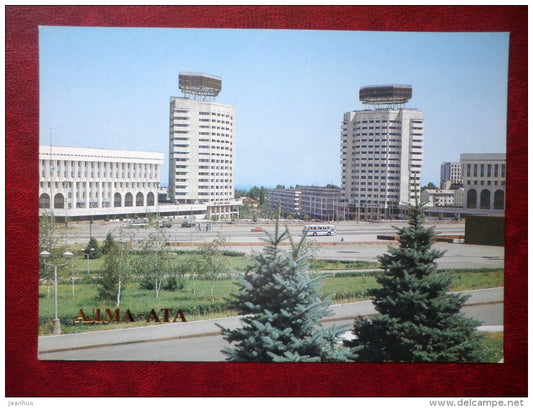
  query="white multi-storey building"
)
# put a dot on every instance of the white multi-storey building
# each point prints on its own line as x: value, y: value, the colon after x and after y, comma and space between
x: 288, y: 199
x: 382, y: 151
x: 202, y: 146
x: 82, y: 182
x: 439, y: 197
x: 320, y: 202
x: 450, y: 174
x: 484, y: 177
x: 314, y: 202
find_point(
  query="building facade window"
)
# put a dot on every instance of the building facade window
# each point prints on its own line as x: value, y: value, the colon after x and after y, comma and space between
x: 117, y: 200
x: 139, y: 199
x: 471, y: 198
x: 59, y: 201
x: 499, y: 200
x: 150, y: 200
x: 44, y: 201
x: 484, y: 199
x: 128, y: 200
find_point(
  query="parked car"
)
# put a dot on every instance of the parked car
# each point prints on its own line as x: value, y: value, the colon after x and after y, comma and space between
x: 165, y: 224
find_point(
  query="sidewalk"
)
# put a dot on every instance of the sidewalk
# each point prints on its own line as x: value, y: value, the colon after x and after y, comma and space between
x: 161, y: 332
x: 204, y: 328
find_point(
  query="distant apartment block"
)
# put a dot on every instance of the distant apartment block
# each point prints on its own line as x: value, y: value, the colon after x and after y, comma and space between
x: 83, y: 182
x: 382, y: 151
x: 321, y: 203
x: 289, y: 200
x: 484, y: 177
x: 202, y: 146
x: 439, y: 198
x: 451, y: 175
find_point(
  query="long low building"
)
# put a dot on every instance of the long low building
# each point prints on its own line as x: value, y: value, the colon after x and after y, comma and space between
x: 78, y: 182
x: 315, y: 202
x: 87, y: 183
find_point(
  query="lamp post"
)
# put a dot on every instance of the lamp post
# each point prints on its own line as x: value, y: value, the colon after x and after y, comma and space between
x: 88, y: 255
x: 45, y: 255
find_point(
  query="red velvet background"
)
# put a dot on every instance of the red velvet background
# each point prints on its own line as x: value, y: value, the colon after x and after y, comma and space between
x: 26, y: 376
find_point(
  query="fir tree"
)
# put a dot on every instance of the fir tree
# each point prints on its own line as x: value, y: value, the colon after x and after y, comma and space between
x: 418, y: 319
x: 282, y: 309
x: 93, y: 249
x: 109, y: 243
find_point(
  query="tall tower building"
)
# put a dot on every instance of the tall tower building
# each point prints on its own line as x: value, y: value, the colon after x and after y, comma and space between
x: 201, y: 143
x: 382, y: 150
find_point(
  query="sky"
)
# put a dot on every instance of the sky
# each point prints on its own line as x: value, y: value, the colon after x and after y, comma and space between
x: 110, y: 88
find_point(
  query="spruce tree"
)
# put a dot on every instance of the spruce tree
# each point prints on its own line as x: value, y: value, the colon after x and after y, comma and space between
x: 418, y: 319
x: 93, y: 249
x: 109, y: 243
x: 281, y: 310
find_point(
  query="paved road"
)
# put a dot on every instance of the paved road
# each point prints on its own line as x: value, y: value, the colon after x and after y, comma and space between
x: 242, y: 232
x: 200, y: 340
x: 353, y: 241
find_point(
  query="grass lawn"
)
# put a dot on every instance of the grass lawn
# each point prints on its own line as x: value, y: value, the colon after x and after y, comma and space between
x: 493, y: 342
x: 197, y: 302
x: 195, y: 298
x: 354, y: 288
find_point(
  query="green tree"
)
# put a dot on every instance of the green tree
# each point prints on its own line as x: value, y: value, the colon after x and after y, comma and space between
x: 281, y: 310
x: 211, y: 264
x: 49, y: 238
x: 109, y: 243
x: 418, y: 319
x: 151, y: 261
x: 47, y: 241
x: 115, y: 269
x: 93, y: 249
x: 109, y: 281
x: 240, y: 193
x: 254, y: 193
x: 177, y: 268
x: 262, y: 195
x: 259, y: 194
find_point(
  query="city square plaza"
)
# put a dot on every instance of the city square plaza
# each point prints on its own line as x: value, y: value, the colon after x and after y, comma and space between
x: 354, y: 240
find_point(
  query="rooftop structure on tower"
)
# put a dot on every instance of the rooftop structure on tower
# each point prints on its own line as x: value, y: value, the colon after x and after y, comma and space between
x: 199, y: 86
x: 385, y: 96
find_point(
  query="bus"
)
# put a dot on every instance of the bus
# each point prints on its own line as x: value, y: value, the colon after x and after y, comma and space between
x: 319, y: 230
x: 139, y: 223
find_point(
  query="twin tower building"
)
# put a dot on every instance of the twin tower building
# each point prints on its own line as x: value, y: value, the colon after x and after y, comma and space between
x: 381, y: 161
x: 381, y: 147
